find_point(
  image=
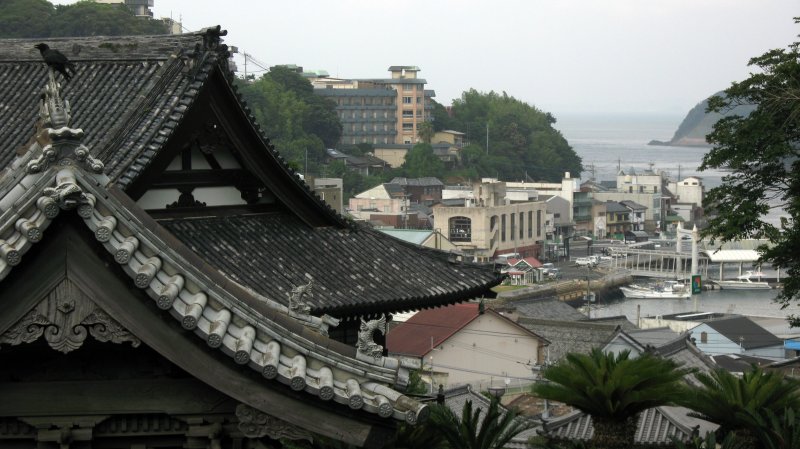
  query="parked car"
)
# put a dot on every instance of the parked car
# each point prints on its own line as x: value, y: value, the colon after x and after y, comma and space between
x: 554, y: 273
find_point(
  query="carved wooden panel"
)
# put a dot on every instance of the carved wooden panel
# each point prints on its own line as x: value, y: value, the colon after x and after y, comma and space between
x: 65, y: 318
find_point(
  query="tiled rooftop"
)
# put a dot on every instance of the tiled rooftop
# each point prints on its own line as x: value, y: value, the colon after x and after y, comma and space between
x: 357, y: 270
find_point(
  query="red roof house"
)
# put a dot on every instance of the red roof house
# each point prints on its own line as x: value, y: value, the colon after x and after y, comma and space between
x: 463, y: 344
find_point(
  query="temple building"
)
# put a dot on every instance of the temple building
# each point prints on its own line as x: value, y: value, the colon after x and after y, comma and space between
x: 167, y: 281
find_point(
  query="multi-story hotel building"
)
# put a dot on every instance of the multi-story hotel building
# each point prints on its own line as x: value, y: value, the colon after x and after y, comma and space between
x: 378, y: 111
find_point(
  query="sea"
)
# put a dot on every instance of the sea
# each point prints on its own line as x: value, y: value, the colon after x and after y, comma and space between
x: 608, y: 143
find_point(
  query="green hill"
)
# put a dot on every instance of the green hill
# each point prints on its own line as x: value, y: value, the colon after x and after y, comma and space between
x: 698, y: 123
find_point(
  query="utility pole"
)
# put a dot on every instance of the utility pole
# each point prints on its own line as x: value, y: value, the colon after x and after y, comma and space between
x: 487, y: 138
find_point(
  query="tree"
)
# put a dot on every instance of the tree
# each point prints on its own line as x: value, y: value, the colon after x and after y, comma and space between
x: 744, y: 406
x: 299, y: 123
x: 762, y: 151
x: 522, y: 142
x: 25, y: 18
x: 39, y: 18
x: 421, y: 162
x: 425, y: 132
x: 613, y: 389
x: 470, y: 431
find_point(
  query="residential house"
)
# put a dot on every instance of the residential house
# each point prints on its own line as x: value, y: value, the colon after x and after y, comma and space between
x: 363, y: 165
x: 658, y: 425
x: 488, y: 225
x: 328, y: 190
x: 559, y: 211
x: 467, y: 344
x: 167, y: 280
x: 655, y: 426
x: 381, y: 199
x: 618, y: 220
x: 567, y: 336
x: 538, y: 308
x: 737, y: 335
x: 645, y: 189
x: 589, y: 215
x: 564, y: 189
x: 637, y: 214
x: 455, y: 399
x: 393, y: 154
x: 688, y: 198
x: 420, y: 190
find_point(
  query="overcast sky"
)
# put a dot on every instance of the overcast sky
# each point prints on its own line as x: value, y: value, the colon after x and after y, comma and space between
x: 563, y: 56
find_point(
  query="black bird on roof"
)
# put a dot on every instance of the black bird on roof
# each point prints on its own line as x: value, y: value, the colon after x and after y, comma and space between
x: 57, y: 61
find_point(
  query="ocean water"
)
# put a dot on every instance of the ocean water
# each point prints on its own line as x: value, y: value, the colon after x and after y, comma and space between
x: 612, y: 142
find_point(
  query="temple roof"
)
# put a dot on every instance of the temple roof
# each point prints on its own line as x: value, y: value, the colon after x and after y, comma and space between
x: 81, y: 146
x: 353, y: 272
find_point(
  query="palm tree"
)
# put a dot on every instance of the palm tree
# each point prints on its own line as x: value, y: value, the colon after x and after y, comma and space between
x: 613, y: 389
x: 470, y: 431
x: 743, y: 405
x: 425, y: 132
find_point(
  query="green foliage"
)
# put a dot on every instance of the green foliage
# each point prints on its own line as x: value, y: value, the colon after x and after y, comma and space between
x: 415, y: 384
x: 522, y: 140
x: 470, y: 431
x: 709, y: 442
x: 421, y: 162
x: 39, y: 18
x: 742, y: 405
x: 441, y: 120
x: 762, y: 151
x: 611, y: 386
x: 425, y: 132
x: 299, y: 124
x: 613, y: 389
x: 780, y: 431
x: 25, y: 18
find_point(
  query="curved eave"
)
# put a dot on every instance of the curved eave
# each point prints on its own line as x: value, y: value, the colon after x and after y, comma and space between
x: 226, y: 317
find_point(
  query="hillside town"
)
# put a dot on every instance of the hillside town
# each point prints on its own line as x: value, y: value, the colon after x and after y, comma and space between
x: 175, y: 274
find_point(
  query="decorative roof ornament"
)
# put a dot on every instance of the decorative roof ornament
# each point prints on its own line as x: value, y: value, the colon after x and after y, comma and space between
x: 66, y: 146
x: 298, y: 298
x: 53, y: 110
x: 366, y: 346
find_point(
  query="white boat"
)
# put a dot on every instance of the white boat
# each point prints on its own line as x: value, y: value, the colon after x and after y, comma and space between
x: 744, y: 282
x: 660, y: 290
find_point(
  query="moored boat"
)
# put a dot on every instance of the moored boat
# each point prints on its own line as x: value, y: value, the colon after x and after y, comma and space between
x: 660, y: 290
x: 744, y: 282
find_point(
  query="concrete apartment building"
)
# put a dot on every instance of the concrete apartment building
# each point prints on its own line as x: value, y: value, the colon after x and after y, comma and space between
x: 379, y: 111
x: 490, y: 224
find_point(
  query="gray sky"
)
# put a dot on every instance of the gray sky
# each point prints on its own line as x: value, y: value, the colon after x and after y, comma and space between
x: 563, y: 56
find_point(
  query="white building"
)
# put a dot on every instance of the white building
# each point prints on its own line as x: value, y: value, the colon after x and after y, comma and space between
x: 463, y: 344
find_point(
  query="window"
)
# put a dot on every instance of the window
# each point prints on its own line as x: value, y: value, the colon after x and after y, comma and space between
x: 460, y: 229
x: 503, y: 228
x: 538, y: 223
x: 419, y: 100
x: 521, y: 225
x: 408, y: 114
x: 530, y: 224
x: 406, y: 100
x: 513, y: 225
x: 408, y: 86
x: 408, y: 127
x: 703, y: 337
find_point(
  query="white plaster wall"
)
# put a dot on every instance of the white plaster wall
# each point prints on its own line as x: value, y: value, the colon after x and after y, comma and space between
x: 488, y: 347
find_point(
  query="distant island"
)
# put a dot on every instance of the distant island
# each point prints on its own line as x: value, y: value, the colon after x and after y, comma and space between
x: 698, y: 124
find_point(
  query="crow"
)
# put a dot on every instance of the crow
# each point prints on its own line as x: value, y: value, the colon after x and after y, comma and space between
x: 57, y: 61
